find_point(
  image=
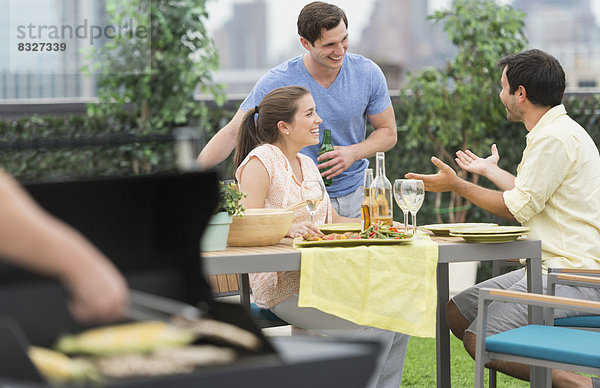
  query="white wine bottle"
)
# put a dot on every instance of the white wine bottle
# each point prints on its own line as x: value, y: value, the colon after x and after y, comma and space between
x: 381, y: 194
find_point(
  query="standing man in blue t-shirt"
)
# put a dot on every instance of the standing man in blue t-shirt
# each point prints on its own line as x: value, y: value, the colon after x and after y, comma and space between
x: 347, y: 88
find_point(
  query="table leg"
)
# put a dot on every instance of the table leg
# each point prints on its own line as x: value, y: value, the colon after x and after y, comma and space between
x: 442, y: 337
x: 244, y: 283
x: 534, y: 285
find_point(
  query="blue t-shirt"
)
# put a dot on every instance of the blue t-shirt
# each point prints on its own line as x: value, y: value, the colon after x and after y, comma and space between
x: 359, y: 90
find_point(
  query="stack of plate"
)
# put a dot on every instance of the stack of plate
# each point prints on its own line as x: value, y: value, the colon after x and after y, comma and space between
x: 444, y: 229
x: 490, y: 234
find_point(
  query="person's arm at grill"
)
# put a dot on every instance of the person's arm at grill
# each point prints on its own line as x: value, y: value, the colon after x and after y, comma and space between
x: 32, y: 238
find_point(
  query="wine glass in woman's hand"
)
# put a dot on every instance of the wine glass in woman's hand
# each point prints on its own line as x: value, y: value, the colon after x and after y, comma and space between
x: 312, y: 191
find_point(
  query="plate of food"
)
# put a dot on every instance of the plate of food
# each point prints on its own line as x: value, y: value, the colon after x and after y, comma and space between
x: 372, y: 236
x: 301, y: 242
x: 340, y: 227
x: 444, y: 229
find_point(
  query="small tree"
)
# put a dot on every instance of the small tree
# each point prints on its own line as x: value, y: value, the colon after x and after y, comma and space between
x: 458, y: 107
x: 164, y: 70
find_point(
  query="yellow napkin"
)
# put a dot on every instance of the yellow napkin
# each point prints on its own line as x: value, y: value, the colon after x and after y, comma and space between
x: 391, y: 287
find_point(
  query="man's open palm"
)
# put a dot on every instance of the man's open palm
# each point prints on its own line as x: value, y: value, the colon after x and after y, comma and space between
x: 468, y: 161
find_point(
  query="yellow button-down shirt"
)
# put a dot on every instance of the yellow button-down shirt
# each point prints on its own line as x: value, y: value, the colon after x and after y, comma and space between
x: 557, y: 191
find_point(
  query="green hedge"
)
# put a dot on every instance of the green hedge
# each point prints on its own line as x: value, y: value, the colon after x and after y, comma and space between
x: 40, y: 150
x: 44, y: 164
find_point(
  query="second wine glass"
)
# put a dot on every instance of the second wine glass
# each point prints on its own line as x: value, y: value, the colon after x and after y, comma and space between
x: 312, y: 191
x: 400, y: 202
x: 412, y: 192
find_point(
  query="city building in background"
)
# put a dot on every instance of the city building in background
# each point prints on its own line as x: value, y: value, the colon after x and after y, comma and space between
x: 58, y: 76
x: 569, y: 31
x: 397, y: 36
x: 400, y: 39
x: 243, y: 40
x: 413, y: 43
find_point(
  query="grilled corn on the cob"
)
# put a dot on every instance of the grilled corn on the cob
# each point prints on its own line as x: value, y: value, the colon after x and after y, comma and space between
x: 59, y: 368
x: 125, y: 338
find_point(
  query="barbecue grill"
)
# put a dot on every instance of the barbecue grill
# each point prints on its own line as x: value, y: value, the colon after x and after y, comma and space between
x: 150, y: 226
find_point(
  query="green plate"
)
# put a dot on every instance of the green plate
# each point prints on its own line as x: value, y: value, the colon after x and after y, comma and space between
x: 491, y: 230
x: 444, y: 229
x: 300, y: 243
x: 340, y: 227
x: 488, y: 238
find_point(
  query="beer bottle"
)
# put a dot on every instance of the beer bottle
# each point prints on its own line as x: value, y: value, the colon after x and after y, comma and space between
x: 365, y: 207
x: 326, y: 146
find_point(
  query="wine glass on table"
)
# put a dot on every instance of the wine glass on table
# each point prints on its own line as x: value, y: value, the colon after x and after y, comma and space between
x: 400, y: 202
x: 312, y: 191
x: 412, y: 192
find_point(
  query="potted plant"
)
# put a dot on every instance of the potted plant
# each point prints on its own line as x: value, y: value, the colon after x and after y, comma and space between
x: 217, y: 230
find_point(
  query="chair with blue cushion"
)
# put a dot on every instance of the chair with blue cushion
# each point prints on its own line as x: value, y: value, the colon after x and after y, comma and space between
x: 265, y: 317
x: 544, y: 346
x: 565, y: 276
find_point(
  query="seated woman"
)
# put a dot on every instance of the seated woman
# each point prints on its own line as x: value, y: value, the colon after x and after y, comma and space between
x: 270, y: 170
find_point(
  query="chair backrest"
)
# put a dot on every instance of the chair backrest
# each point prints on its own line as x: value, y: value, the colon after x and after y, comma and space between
x: 577, y: 278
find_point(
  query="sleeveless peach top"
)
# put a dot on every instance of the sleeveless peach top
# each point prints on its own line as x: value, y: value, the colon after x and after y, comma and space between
x: 271, y: 288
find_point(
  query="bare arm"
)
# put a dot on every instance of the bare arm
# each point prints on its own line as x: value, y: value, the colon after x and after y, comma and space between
x: 221, y: 145
x: 447, y: 180
x: 33, y: 239
x: 487, y: 167
x: 382, y: 138
x: 254, y: 182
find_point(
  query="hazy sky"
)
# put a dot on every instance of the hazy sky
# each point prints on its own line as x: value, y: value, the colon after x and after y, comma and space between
x: 284, y: 13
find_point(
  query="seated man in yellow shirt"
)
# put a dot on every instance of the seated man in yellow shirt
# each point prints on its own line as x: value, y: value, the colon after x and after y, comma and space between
x: 556, y: 193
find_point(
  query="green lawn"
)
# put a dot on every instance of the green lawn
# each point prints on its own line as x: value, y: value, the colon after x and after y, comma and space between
x: 419, y: 367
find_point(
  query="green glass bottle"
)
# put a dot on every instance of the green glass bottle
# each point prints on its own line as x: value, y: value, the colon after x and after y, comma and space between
x: 326, y: 146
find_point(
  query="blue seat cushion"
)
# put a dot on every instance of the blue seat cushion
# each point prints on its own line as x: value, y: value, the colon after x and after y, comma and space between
x: 579, y: 321
x: 262, y: 313
x: 579, y: 347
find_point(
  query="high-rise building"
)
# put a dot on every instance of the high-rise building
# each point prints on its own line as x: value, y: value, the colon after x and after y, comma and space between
x: 243, y: 41
x: 568, y: 30
x: 34, y: 75
x: 400, y: 39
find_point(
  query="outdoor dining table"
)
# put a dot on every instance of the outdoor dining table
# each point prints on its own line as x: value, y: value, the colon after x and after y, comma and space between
x: 284, y: 257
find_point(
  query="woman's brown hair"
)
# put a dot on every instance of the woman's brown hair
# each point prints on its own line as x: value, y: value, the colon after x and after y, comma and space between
x: 280, y: 104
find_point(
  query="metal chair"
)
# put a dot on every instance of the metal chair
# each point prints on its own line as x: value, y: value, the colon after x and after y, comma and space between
x: 585, y: 322
x: 546, y: 345
x: 565, y: 276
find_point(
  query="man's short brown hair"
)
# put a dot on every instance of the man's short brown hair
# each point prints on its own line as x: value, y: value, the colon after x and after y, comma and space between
x: 539, y: 73
x: 318, y: 15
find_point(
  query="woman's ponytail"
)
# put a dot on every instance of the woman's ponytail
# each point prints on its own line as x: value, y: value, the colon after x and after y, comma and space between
x: 247, y: 138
